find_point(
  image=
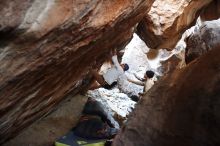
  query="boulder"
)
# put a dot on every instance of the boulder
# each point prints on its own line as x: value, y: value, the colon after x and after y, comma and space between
x: 47, y: 47
x: 171, y: 64
x: 203, y: 40
x: 181, y: 109
x: 166, y: 21
x: 212, y: 12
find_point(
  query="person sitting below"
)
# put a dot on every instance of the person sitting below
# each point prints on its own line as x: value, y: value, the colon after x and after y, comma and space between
x: 96, y: 122
x: 147, y: 81
x: 109, y: 79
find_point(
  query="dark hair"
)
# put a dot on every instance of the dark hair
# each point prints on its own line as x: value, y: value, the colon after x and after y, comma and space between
x: 135, y: 98
x: 149, y: 73
x: 126, y: 67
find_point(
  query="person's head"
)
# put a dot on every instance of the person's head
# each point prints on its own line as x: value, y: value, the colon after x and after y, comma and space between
x: 149, y: 74
x: 135, y: 98
x: 125, y: 66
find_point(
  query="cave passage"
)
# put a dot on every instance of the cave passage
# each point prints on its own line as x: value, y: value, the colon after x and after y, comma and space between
x: 164, y: 83
x: 136, y: 54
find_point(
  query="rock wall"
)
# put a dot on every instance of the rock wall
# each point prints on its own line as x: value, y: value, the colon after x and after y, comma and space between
x: 171, y: 64
x: 165, y: 23
x: 212, y: 12
x: 47, y: 47
x: 203, y: 40
x: 181, y: 109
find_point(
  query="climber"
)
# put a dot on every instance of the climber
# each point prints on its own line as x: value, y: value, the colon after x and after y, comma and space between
x: 147, y: 81
x: 109, y: 79
x: 95, y: 126
x: 113, y: 76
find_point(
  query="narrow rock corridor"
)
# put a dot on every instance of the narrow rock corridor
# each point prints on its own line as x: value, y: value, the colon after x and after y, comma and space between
x: 49, y: 50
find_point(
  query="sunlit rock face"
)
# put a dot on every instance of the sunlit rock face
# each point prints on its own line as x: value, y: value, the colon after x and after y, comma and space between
x: 212, y: 12
x: 47, y: 47
x: 173, y: 63
x: 163, y: 26
x: 181, y: 109
x: 203, y: 40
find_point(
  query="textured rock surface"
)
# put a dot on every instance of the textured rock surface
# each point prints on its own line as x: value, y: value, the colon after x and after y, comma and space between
x: 47, y: 130
x: 212, y: 12
x: 167, y: 20
x: 171, y: 64
x: 181, y: 109
x: 47, y: 47
x: 203, y: 40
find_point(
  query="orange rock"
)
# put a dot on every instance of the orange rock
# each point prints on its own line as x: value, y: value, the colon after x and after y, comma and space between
x: 165, y: 23
x: 47, y: 47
